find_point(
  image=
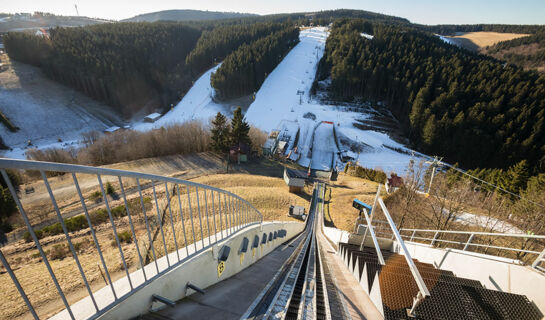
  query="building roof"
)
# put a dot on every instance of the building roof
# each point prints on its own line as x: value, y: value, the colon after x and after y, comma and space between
x: 112, y: 129
x: 153, y: 116
x: 298, y: 174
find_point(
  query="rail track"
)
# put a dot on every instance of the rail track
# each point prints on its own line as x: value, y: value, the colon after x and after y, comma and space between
x: 303, y: 288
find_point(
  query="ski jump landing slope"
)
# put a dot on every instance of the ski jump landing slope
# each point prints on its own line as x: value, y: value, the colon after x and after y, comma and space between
x: 278, y: 100
x: 324, y: 149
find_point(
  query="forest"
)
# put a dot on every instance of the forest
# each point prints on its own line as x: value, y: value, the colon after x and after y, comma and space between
x: 214, y: 45
x: 451, y: 29
x: 469, y: 108
x: 244, y: 70
x: 135, y: 66
x: 126, y: 65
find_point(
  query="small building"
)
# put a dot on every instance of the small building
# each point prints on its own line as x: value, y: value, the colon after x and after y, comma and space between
x: 42, y: 33
x: 297, y: 212
x: 239, y: 153
x: 295, y: 179
x: 112, y: 129
x: 152, y: 117
x: 393, y: 183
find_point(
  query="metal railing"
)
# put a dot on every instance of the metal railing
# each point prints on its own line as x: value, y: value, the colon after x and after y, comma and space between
x: 85, y: 215
x: 423, y: 290
x: 420, y: 235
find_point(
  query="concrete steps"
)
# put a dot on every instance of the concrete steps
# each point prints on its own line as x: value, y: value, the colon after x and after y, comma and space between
x: 392, y: 288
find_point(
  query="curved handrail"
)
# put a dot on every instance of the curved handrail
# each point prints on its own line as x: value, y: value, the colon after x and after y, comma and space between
x: 7, y: 163
x: 219, y: 212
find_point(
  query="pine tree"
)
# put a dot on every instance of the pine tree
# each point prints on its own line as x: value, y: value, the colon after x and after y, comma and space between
x: 519, y: 176
x: 239, y: 129
x: 220, y: 134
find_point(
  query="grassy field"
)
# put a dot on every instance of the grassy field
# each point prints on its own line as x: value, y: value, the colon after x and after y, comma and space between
x: 338, y: 211
x: 477, y: 40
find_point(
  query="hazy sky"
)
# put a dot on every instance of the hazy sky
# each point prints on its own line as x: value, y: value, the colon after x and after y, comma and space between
x: 419, y: 11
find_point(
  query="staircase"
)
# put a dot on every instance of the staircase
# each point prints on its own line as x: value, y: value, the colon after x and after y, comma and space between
x: 392, y: 289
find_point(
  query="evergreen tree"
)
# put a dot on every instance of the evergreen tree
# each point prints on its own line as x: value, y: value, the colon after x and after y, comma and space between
x: 519, y: 176
x: 220, y: 134
x: 7, y: 204
x: 239, y: 129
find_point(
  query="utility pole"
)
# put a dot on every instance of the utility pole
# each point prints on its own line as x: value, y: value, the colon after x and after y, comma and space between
x: 434, y: 164
x: 77, y: 12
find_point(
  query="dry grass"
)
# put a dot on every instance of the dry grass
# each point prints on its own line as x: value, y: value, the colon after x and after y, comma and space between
x: 483, y: 39
x: 339, y: 197
x: 267, y: 194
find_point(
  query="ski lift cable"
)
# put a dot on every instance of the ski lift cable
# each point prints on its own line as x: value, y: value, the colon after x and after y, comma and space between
x: 490, y: 184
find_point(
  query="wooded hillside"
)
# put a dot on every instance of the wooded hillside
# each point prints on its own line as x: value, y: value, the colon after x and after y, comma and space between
x: 466, y: 107
x: 126, y: 65
x: 527, y: 52
x: 244, y: 70
x: 214, y: 45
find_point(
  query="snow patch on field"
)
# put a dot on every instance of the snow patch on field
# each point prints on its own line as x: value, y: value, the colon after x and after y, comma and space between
x: 47, y: 113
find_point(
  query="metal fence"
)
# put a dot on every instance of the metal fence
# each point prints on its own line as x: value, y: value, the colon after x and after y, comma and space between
x: 511, y: 245
x: 105, y: 232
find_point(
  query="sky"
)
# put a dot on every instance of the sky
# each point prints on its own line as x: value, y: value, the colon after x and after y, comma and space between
x: 418, y: 11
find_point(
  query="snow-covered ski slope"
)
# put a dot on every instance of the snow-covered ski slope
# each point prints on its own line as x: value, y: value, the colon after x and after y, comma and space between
x: 197, y: 104
x: 278, y: 100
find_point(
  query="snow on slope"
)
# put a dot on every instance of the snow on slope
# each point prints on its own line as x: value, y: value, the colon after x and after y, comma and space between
x: 447, y: 40
x: 278, y: 100
x: 45, y: 111
x: 324, y: 151
x: 278, y: 93
x: 197, y: 104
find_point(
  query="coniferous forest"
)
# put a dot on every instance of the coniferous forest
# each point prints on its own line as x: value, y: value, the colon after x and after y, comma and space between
x: 244, y: 70
x: 214, y: 45
x: 470, y: 108
x: 135, y: 66
x: 126, y: 65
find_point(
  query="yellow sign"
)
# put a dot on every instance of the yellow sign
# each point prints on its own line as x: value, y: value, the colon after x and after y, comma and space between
x: 221, y: 268
x: 241, y: 257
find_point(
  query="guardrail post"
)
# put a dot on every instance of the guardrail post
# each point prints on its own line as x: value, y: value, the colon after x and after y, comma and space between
x: 434, y: 238
x: 424, y: 291
x: 371, y: 215
x: 412, y: 235
x: 469, y: 241
x: 36, y: 241
x: 18, y: 285
x: 539, y: 259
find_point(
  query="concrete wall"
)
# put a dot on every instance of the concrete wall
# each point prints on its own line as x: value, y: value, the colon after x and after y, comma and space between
x: 201, y: 270
x: 493, y: 272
